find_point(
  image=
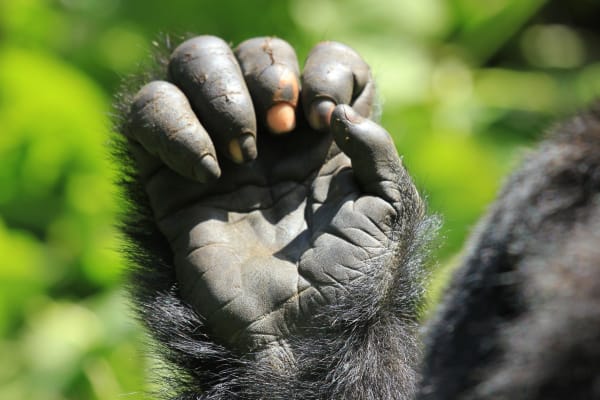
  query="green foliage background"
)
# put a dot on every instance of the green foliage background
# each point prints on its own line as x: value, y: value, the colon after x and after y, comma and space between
x: 464, y: 84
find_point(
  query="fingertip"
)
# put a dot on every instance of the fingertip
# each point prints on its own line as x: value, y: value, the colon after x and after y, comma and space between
x: 248, y: 145
x: 342, y: 115
x: 270, y: 68
x: 319, y: 115
x: 375, y: 161
x: 358, y: 136
x: 207, y: 169
x: 281, y: 118
x: 206, y: 70
x: 235, y: 152
x: 342, y: 125
x: 335, y: 71
x: 243, y: 149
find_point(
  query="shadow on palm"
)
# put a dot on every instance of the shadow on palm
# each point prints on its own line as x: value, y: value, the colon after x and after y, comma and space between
x: 259, y: 250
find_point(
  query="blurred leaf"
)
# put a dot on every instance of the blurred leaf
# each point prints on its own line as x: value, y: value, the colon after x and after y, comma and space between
x: 486, y: 25
x: 532, y: 91
x: 553, y: 46
x: 58, y: 171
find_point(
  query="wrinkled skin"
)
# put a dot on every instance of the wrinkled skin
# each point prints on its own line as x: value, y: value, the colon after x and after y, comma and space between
x: 270, y: 214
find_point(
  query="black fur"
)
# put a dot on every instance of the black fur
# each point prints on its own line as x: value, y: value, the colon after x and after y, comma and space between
x: 522, y: 317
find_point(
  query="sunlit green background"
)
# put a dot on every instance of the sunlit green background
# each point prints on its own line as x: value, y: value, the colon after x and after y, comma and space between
x: 464, y: 85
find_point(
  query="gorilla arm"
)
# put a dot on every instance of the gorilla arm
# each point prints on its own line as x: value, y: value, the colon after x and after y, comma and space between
x: 521, y: 318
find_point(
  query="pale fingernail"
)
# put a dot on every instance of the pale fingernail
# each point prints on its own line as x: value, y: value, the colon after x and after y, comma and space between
x: 281, y: 118
x: 207, y: 169
x: 235, y: 151
x: 320, y: 114
x: 243, y: 148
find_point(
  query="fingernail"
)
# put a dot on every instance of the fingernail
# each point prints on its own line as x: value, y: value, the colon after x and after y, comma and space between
x: 281, y: 118
x: 207, y: 169
x: 243, y: 148
x: 320, y: 114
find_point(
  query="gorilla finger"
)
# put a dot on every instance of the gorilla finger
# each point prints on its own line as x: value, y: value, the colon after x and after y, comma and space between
x: 162, y: 121
x: 208, y: 73
x: 363, y: 104
x: 270, y: 67
x: 335, y: 74
x: 375, y: 161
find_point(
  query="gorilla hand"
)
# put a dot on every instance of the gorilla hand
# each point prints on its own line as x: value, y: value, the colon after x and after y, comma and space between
x: 275, y: 223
